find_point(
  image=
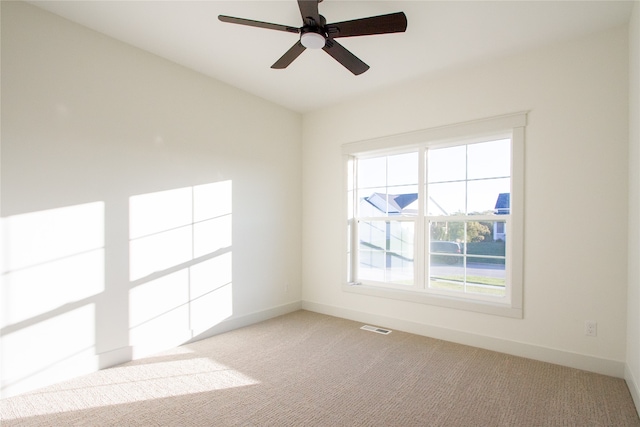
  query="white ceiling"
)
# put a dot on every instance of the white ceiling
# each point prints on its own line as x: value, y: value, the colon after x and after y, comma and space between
x: 440, y: 35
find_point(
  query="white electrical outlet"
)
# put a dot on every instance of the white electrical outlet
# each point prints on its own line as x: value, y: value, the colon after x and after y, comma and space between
x: 591, y: 328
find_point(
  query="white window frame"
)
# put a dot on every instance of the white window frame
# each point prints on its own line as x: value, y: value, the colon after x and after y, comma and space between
x: 511, y: 126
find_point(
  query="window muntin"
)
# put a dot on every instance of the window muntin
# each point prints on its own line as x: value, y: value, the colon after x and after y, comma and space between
x: 439, y: 250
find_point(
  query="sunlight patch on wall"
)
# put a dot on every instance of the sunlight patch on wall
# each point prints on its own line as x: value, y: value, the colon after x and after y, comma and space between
x: 39, y: 237
x: 158, y: 252
x: 211, y: 292
x: 171, y: 227
x: 49, y: 351
x: 161, y: 231
x: 159, y: 313
x: 180, y: 264
x: 51, y: 258
x: 211, y: 235
x: 211, y: 309
x: 52, y: 271
x: 31, y: 292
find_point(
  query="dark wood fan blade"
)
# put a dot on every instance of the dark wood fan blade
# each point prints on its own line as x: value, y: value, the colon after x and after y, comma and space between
x: 259, y: 24
x: 346, y: 58
x: 382, y: 24
x: 289, y: 56
x: 309, y: 11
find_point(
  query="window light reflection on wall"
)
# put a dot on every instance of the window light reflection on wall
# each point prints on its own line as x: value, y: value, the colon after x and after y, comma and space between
x: 180, y: 264
x: 53, y: 269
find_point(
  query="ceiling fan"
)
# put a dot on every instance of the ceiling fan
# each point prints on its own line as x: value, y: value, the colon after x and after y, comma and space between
x: 315, y: 33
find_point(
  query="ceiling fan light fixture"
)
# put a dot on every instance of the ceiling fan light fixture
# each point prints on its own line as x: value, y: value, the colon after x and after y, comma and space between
x: 312, y: 40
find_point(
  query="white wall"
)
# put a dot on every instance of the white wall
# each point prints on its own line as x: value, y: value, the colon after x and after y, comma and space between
x: 632, y: 373
x: 576, y: 190
x: 88, y: 125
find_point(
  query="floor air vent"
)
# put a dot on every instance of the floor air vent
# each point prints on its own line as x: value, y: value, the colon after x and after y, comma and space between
x: 377, y: 330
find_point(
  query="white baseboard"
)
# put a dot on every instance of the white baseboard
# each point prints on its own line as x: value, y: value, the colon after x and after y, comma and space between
x: 598, y: 365
x: 634, y: 386
x: 236, y: 322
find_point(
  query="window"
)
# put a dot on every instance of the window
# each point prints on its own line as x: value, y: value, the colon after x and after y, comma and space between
x: 436, y: 216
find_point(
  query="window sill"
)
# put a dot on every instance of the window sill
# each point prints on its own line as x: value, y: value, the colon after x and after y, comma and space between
x: 436, y: 300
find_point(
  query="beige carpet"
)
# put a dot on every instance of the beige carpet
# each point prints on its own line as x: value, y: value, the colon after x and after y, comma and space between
x: 314, y: 370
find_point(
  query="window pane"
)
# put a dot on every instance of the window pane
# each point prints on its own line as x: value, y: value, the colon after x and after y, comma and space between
x: 401, y: 238
x: 500, y: 231
x: 444, y: 247
x: 402, y: 169
x: 482, y: 195
x: 478, y: 231
x: 371, y: 265
x: 503, y: 204
x: 400, y: 253
x: 487, y: 248
x: 447, y: 231
x: 372, y: 202
x: 386, y: 251
x: 446, y: 199
x: 387, y: 185
x: 489, y: 159
x: 447, y: 164
x: 373, y: 234
x: 375, y: 202
x: 486, y: 275
x: 372, y: 250
x: 412, y: 207
x: 403, y: 200
x: 443, y: 275
x: 372, y: 172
